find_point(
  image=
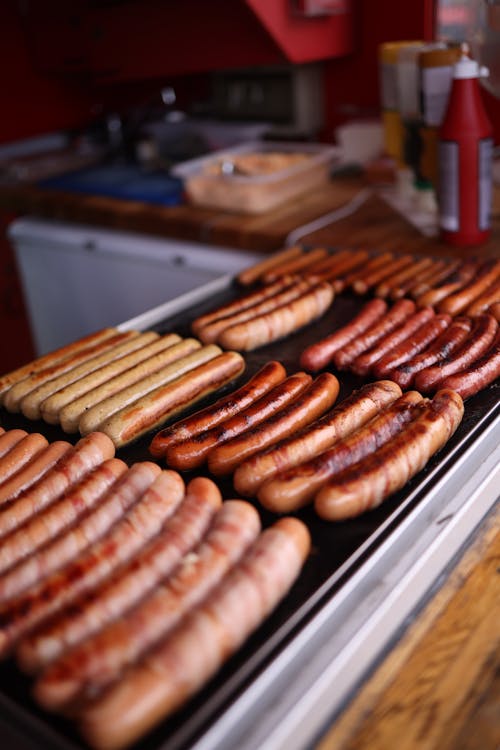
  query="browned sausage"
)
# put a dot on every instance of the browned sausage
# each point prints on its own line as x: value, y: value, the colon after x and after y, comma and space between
x: 254, y: 273
x: 348, y: 416
x: 296, y: 487
x: 487, y: 298
x: 60, y: 515
x: 464, y: 273
x: 39, y: 465
x: 131, y: 583
x: 411, y: 346
x: 303, y: 264
x: 280, y: 322
x: 99, y: 660
x: 326, y: 268
x: 362, y: 285
x: 156, y: 407
x: 365, y: 485
x: 228, y: 406
x: 456, y: 303
x: 47, y: 360
x: 307, y: 407
x: 435, y: 277
x: 9, y: 439
x: 495, y: 311
x: 21, y: 454
x: 484, y: 371
x: 474, y: 346
x: 74, y: 464
x: 208, y: 635
x: 395, y: 317
x: 341, y: 271
x: 318, y: 355
x: 441, y: 348
x: 193, y: 452
x: 363, y: 364
x: 393, y: 283
x: 89, y: 569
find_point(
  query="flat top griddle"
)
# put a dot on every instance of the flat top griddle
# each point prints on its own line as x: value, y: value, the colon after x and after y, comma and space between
x: 338, y: 550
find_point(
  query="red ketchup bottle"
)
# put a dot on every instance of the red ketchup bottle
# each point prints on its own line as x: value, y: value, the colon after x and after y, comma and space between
x: 465, y: 153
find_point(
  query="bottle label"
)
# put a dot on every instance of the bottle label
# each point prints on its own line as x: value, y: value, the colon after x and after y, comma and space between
x: 485, y: 161
x: 388, y: 86
x: 448, y: 192
x: 436, y: 83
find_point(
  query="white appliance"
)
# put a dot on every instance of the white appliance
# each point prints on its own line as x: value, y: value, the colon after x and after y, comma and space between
x: 77, y: 279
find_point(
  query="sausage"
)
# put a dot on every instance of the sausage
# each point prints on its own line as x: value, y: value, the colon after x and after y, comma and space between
x: 228, y: 406
x: 292, y: 489
x: 393, y: 285
x: 156, y: 407
x: 369, y: 280
x: 411, y: 346
x: 39, y: 465
x: 395, y: 317
x: 75, y: 463
x: 60, y: 515
x: 364, y: 486
x: 484, y: 371
x: 70, y: 415
x: 15, y: 394
x: 464, y: 273
x: 474, y: 346
x: 344, y: 419
x: 456, y: 303
x: 92, y: 566
x: 495, y: 311
x: 98, y: 661
x: 47, y: 360
x: 193, y: 452
x: 241, y: 303
x: 131, y: 583
x: 307, y: 407
x: 338, y: 275
x: 441, y: 348
x: 212, y: 331
x: 206, y: 637
x: 280, y: 322
x: 67, y: 387
x: 363, y: 364
x: 70, y: 543
x: 444, y: 270
x: 20, y: 454
x: 324, y: 269
x: 484, y: 300
x: 303, y: 264
x: 254, y: 273
x: 371, y: 264
x: 10, y: 439
x: 318, y: 355
x: 96, y: 415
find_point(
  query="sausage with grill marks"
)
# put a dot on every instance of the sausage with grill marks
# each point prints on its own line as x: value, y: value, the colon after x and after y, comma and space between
x: 464, y: 273
x: 19, y: 455
x: 392, y: 284
x: 484, y: 371
x: 254, y: 273
x: 39, y: 465
x: 362, y: 285
x: 487, y: 298
x: 301, y: 265
x: 411, y: 346
x: 292, y: 489
x: 443, y: 270
x: 456, y: 303
x: 365, y: 485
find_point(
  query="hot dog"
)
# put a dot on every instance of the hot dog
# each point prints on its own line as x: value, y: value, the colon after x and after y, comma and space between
x: 99, y: 660
x: 250, y: 275
x: 78, y: 537
x: 307, y: 407
x: 96, y: 415
x: 441, y: 348
x: 318, y: 355
x: 73, y: 465
x: 369, y: 280
x: 194, y: 651
x: 18, y: 391
x: 484, y: 371
x: 495, y: 311
x: 474, y: 346
x: 47, y: 360
x: 91, y: 567
x: 391, y: 320
x: 296, y: 487
x: 228, y: 406
x: 464, y: 273
x: 340, y: 272
x: 484, y: 300
x: 193, y: 452
x: 326, y: 268
x: 411, y: 346
x: 363, y: 364
x: 70, y: 415
x: 393, y: 284
x: 131, y: 583
x: 456, y: 303
x: 9, y: 439
x: 303, y: 264
x: 371, y: 264
x: 38, y: 467
x: 157, y: 406
x: 364, y: 486
x: 280, y: 322
x: 213, y: 330
x: 343, y: 420
x: 19, y: 455
x: 442, y: 271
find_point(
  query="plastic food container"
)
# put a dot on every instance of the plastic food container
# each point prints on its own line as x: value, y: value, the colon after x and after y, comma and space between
x: 257, y: 176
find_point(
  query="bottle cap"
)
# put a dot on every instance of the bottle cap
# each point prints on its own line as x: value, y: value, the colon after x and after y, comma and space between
x: 467, y: 68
